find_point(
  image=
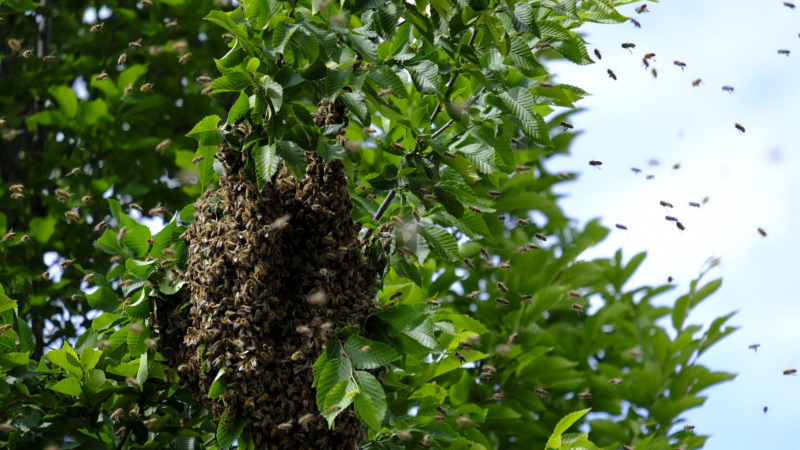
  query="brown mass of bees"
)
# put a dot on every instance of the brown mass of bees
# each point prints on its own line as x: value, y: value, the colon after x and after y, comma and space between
x: 267, y: 293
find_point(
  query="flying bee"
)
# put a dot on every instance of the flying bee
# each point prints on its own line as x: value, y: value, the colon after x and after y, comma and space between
x: 522, y: 169
x: 89, y: 278
x: 650, y: 177
x: 100, y: 226
x: 172, y: 24
x: 621, y: 227
x: 541, y: 393
x: 147, y: 87
x: 628, y: 46
x: 485, y: 254
x: 542, y: 46
x: 540, y: 237
x: 669, y: 279
x: 636, y: 23
x: 66, y: 263
x: 136, y: 207
x: 523, y: 223
x: 493, y: 194
x: 8, y: 236
x: 449, y: 154
x: 423, y: 444
x: 695, y: 204
x: 754, y: 347
x: 185, y: 58
x: 790, y: 372
x: 461, y: 358
x: 204, y: 79
x: 626, y: 447
x: 228, y: 37
x: 783, y: 52
x: 163, y: 145
x: 574, y: 294
x: 502, y: 301
x: 688, y: 428
x: 612, y: 75
x: 438, y: 419
x: 680, y: 64
x: 505, y: 266
x: 497, y: 396
x: 665, y: 204
x: 432, y: 303
x: 654, y: 72
x: 597, y: 53
x: 567, y: 125
x: 198, y: 159
x: 424, y: 191
x: 788, y: 5
x: 765, y: 410
x: 27, y: 54
x: 385, y: 93
x: 487, y: 376
x: 17, y: 196
x: 636, y: 170
x: 522, y: 250
x: 585, y: 395
x: 286, y: 426
x: 430, y: 198
x: 207, y: 90
x: 517, y: 143
x: 468, y: 263
x: 671, y: 219
x: 16, y: 188
x: 615, y: 381
x: 101, y: 77
x: 280, y: 222
x: 563, y: 175
x: 156, y: 211
x: 475, y: 210
x: 72, y: 215
x: 464, y: 345
x: 762, y: 232
x: 526, y: 298
x: 396, y: 295
x: 96, y: 28
x: 642, y: 9
x: 513, y: 337
x: 121, y: 234
x: 25, y: 239
x: 676, y: 166
x: 49, y: 58
x: 578, y: 308
x: 739, y: 127
x: 680, y: 226
x: 645, y: 63
x: 728, y: 89
x: 135, y: 45
x: 473, y: 295
x: 697, y: 82
x: 115, y: 416
x: 502, y: 286
x: 46, y: 276
x: 595, y: 163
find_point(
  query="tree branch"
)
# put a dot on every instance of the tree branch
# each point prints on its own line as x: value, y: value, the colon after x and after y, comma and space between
x: 124, y: 439
x: 452, y: 82
x: 382, y: 209
x: 450, y: 122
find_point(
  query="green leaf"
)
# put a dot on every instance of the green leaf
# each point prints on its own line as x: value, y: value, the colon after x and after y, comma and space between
x: 104, y: 321
x: 95, y: 380
x: 225, y: 437
x: 384, y: 77
x: 524, y: 19
x: 66, y: 359
x: 89, y: 358
x: 329, y: 152
x: 357, y: 104
x: 6, y: 303
x: 293, y: 155
x: 425, y: 76
x: 555, y: 439
x: 140, y: 269
x: 66, y: 99
x: 266, y: 160
x: 442, y: 243
x: 136, y: 235
x: 205, y: 168
x: 340, y: 397
x: 239, y: 109
x: 103, y: 299
x: 336, y: 370
x: 141, y: 373
x: 136, y: 340
x: 370, y: 402
x: 520, y: 102
x: 367, y: 354
x: 27, y: 342
x: 283, y: 32
x: 220, y: 384
x: 406, y: 269
x: 206, y: 132
x: 69, y: 386
x: 335, y: 81
x: 108, y: 243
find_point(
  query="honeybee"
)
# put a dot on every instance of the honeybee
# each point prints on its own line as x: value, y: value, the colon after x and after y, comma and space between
x: 46, y: 276
x: 680, y: 64
x: 464, y: 345
x: 280, y: 222
x: 25, y: 239
x: 101, y: 77
x: 17, y: 196
x: 449, y: 154
x: 163, y: 145
x: 697, y: 82
x: 133, y: 383
x: 671, y: 219
x: 475, y: 210
x: 198, y: 159
x: 636, y: 23
x: 461, y: 357
x: 642, y: 9
x: 540, y: 237
x: 695, y: 204
x: 487, y: 376
x: 464, y: 421
x: 438, y: 419
x: 505, y: 266
x: 207, y: 90
x: 783, y: 52
x: 27, y: 54
x: 762, y: 232
x: 628, y: 46
x: 493, y: 194
x: 432, y: 303
x: 135, y: 45
x: 121, y: 234
x: 680, y: 226
x: 754, y: 347
x: 147, y: 87
x: 115, y: 416
x: 485, y: 254
x: 4, y: 328
x: 541, y: 393
x: 396, y: 295
x: 626, y: 447
x: 430, y: 198
x: 788, y: 5
x: 286, y: 426
x: 563, y: 175
x: 526, y: 298
x: 688, y: 428
x: 542, y: 84
x: 384, y: 93
x: 67, y: 262
x: 90, y: 277
x: 96, y: 28
x: 136, y: 207
x: 72, y: 215
x: 578, y: 308
x: 228, y: 37
x: 790, y: 372
x: 615, y: 381
x: 502, y: 286
x: 523, y: 223
x: 100, y: 226
x: 765, y: 410
x: 654, y: 72
x: 574, y: 294
x: 8, y: 236
x: 595, y: 163
x: 16, y: 188
x: 497, y: 396
x: 650, y: 177
x: 597, y: 53
x: 612, y: 75
x: 185, y: 58
x: 728, y: 89
x: 522, y: 250
x: 147, y: 3
x: 513, y: 337
x: 502, y: 301
x: 705, y: 200
x: 423, y: 444
x: 665, y: 204
x: 636, y: 170
x: 676, y: 166
x: 621, y: 227
x: 585, y: 395
x: 473, y: 295
x: 645, y: 63
x: 532, y: 246
x: 49, y: 58
x: 517, y: 143
x: 669, y: 279
x: 157, y: 211
x: 173, y: 24
x: 522, y: 169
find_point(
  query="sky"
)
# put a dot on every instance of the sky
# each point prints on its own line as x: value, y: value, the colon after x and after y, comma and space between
x: 752, y: 180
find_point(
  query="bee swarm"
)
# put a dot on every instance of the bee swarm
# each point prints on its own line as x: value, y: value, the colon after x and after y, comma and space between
x: 251, y: 278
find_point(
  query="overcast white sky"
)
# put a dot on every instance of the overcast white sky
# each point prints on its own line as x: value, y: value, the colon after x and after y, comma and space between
x: 752, y: 180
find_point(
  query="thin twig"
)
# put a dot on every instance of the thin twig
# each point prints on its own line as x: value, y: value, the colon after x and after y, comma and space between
x: 450, y: 122
x: 127, y: 433
x: 382, y: 209
x: 452, y: 82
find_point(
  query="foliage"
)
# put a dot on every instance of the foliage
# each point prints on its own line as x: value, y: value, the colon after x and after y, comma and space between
x: 434, y: 91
